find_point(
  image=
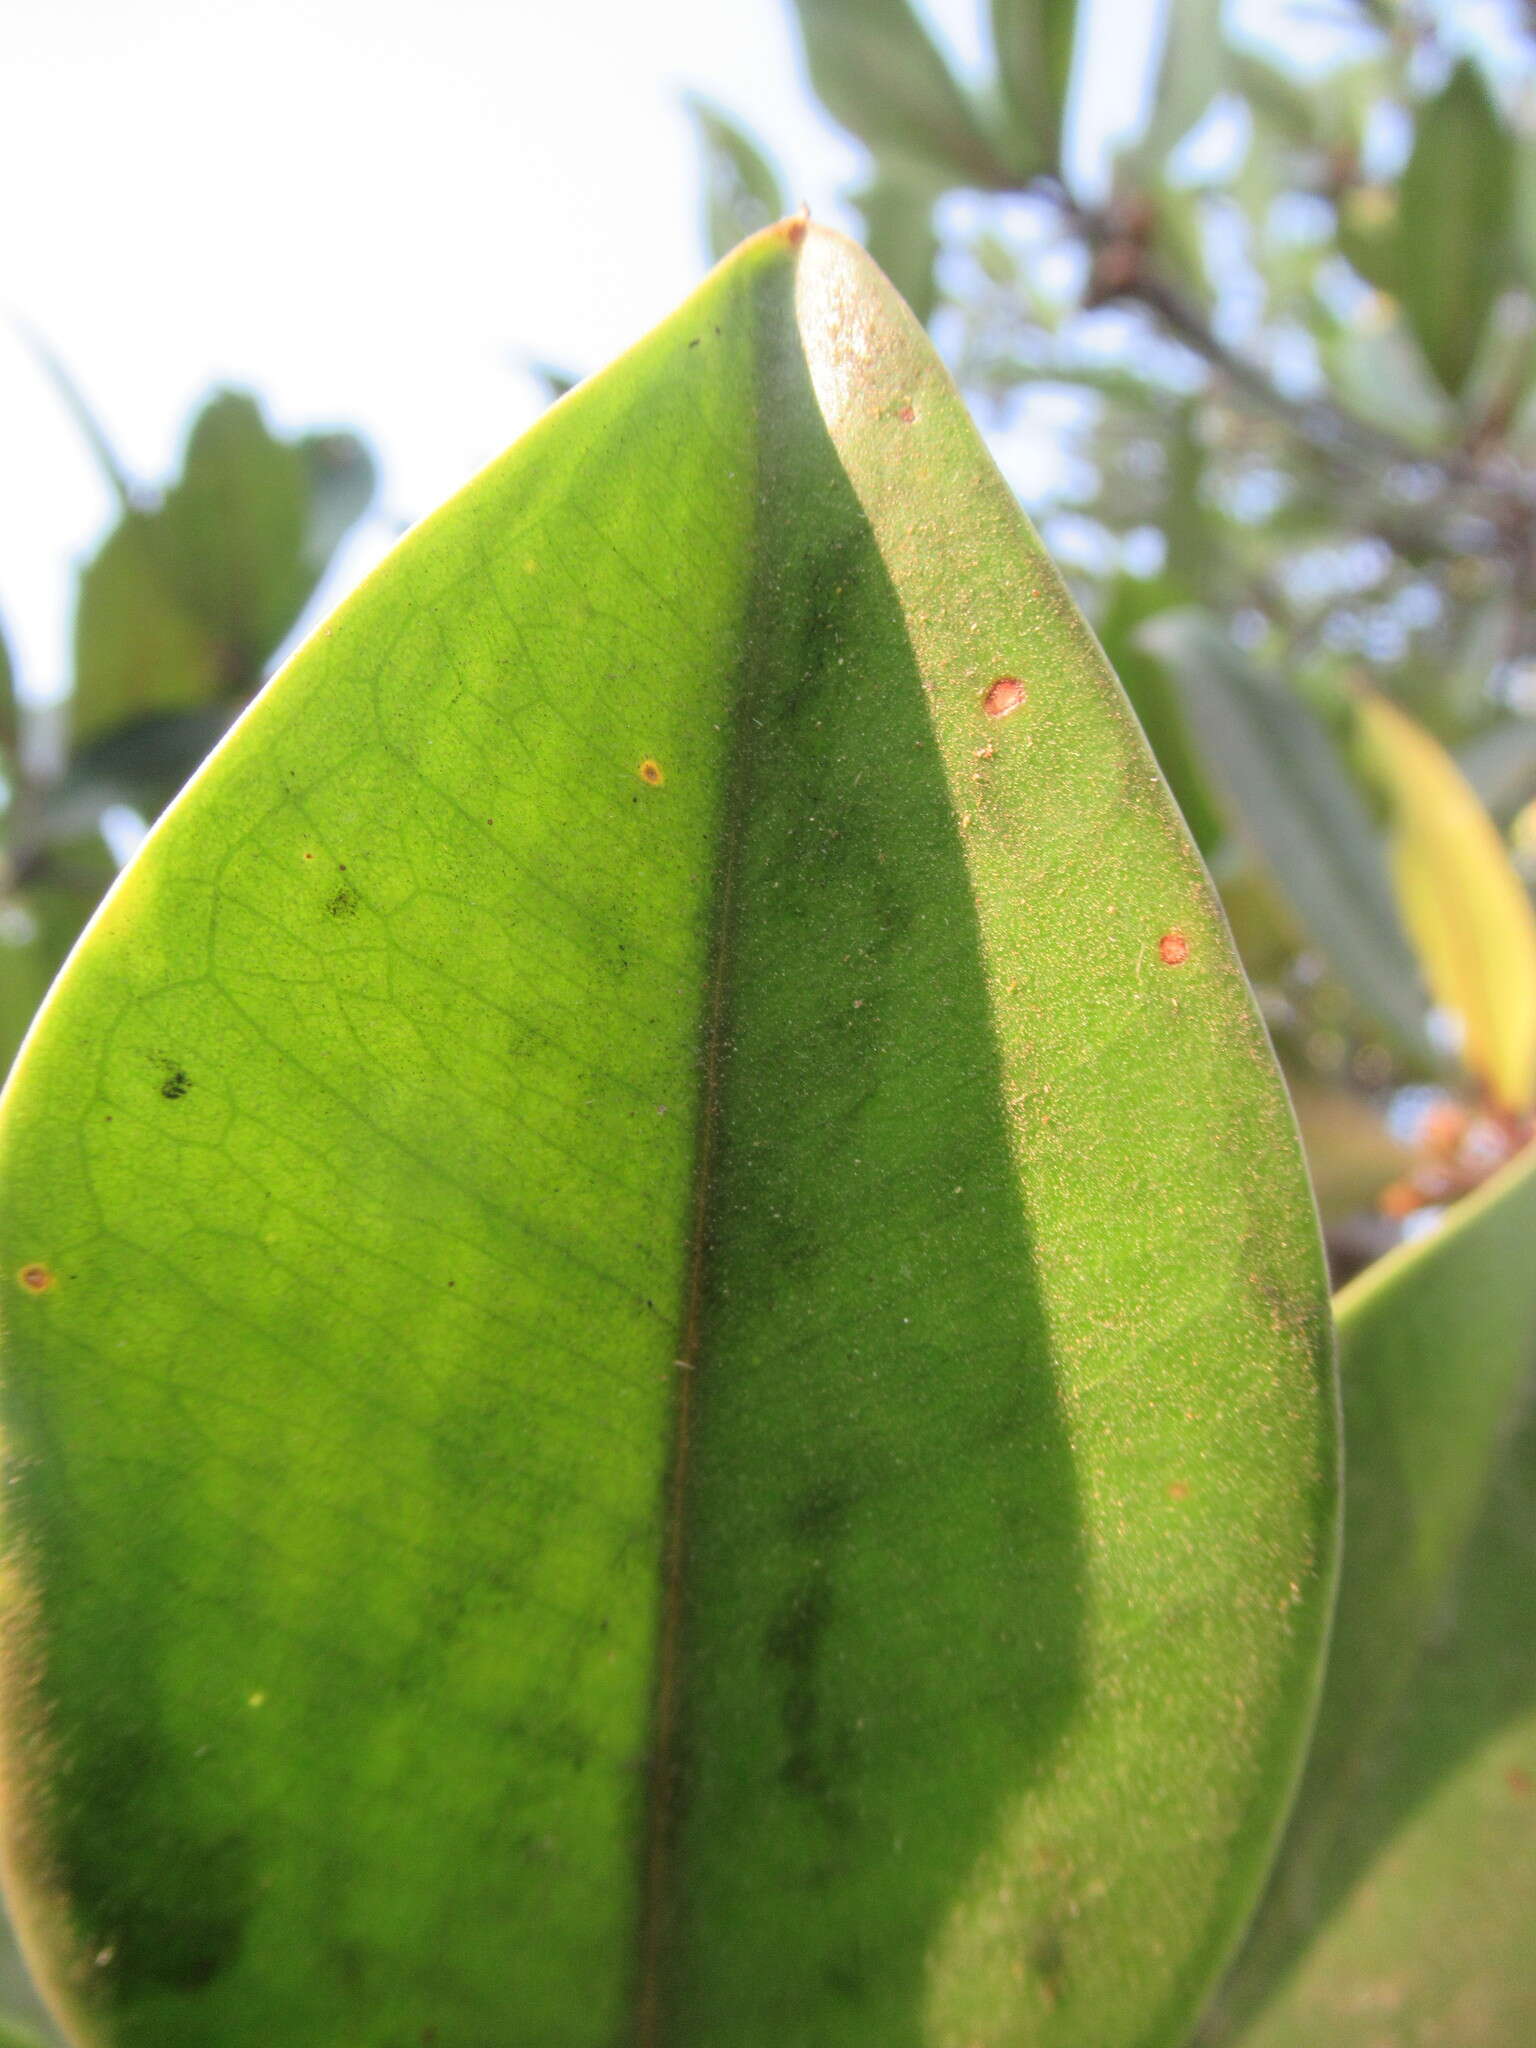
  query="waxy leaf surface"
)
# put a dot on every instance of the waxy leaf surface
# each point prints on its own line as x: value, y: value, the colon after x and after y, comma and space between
x: 667, y: 1373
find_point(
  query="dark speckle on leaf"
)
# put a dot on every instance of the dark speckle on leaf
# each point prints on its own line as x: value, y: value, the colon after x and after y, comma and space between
x: 343, y: 903
x: 175, y: 1084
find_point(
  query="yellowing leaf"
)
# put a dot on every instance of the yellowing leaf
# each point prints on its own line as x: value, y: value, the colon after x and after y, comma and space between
x: 1464, y: 905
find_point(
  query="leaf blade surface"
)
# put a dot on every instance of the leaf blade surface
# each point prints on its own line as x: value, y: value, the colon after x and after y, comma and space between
x: 678, y: 1049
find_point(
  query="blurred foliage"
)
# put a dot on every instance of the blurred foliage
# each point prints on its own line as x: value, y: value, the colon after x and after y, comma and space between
x: 1272, y: 398
x: 180, y: 612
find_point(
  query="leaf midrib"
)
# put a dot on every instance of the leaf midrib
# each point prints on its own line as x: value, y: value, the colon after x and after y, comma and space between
x: 729, y: 834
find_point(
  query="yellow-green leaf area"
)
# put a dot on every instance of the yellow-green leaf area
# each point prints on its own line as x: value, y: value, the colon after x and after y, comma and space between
x: 1462, y: 901
x: 675, y: 1384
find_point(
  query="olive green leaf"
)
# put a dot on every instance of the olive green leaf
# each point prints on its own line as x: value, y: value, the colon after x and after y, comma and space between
x: 1034, y: 40
x: 1155, y: 700
x: 900, y: 233
x: 667, y: 1372
x: 1454, y: 223
x: 876, y: 70
x: 184, y: 604
x: 1406, y: 1887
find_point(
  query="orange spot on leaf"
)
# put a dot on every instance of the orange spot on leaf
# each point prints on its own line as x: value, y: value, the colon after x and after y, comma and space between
x: 650, y: 771
x: 36, y: 1279
x: 907, y: 415
x: 1173, y: 949
x: 1005, y: 695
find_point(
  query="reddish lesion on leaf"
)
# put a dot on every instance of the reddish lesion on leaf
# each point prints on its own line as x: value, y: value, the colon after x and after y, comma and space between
x: 37, y: 1278
x: 1005, y: 695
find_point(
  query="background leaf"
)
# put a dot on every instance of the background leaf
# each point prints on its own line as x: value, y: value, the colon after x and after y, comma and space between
x: 1189, y: 73
x: 1462, y: 901
x: 654, y: 1247
x: 900, y: 235
x: 1155, y: 701
x: 1453, y: 224
x: 1291, y: 799
x: 742, y: 190
x: 185, y: 604
x: 875, y: 68
x: 1405, y: 1887
x: 1034, y: 42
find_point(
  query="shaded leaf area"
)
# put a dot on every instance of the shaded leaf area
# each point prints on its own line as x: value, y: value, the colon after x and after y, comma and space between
x: 1289, y: 796
x: 658, y: 1273
x: 1404, y: 1891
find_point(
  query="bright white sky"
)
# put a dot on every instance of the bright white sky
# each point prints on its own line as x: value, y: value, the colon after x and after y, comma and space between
x: 369, y: 212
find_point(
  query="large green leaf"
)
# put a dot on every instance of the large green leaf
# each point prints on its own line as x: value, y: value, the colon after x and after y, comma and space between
x: 183, y: 605
x: 877, y: 70
x: 667, y: 1374
x: 1407, y: 1870
x: 1454, y: 224
x: 1288, y: 794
